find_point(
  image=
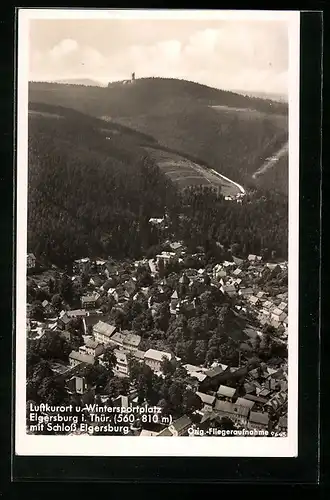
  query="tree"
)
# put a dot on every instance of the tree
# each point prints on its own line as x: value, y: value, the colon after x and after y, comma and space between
x: 37, y: 311
x: 109, y: 359
x: 117, y: 386
x: 57, y: 302
x: 66, y: 288
x: 191, y: 402
x: 96, y: 375
x: 52, y: 391
x: 167, y: 367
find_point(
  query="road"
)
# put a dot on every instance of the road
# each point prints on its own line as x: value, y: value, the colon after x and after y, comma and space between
x: 242, y: 190
x: 272, y: 161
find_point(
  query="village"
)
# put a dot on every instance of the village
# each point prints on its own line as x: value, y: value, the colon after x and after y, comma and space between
x: 248, y: 394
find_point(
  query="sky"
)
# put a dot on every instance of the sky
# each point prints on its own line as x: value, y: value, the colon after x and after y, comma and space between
x: 232, y: 55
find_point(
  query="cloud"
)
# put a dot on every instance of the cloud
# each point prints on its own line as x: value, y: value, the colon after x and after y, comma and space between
x: 249, y: 56
x: 64, y: 48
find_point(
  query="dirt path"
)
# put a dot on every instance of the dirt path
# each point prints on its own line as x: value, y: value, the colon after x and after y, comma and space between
x: 272, y: 161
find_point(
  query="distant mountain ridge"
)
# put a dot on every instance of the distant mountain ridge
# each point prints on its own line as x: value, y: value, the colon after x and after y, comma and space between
x: 230, y: 132
x: 88, y: 82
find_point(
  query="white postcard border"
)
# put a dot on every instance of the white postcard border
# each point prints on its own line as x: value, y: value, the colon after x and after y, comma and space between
x: 147, y: 446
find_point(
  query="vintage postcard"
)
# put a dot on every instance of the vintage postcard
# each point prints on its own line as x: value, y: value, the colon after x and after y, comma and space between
x: 157, y: 233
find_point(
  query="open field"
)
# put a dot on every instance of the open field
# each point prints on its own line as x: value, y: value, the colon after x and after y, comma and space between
x: 187, y: 173
x: 278, y: 120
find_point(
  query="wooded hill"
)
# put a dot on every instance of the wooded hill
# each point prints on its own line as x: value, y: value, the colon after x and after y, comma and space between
x: 233, y: 133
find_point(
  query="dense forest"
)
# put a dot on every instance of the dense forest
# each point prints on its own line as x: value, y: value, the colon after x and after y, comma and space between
x: 234, y: 140
x: 91, y: 196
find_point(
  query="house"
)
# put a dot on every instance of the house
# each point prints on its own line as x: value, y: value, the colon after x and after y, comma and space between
x: 157, y: 221
x: 256, y: 399
x: 164, y: 258
x: 131, y: 341
x: 226, y: 393
x: 238, y: 414
x: 207, y: 400
x: 81, y: 265
x: 130, y: 286
x: 254, y: 258
x: 282, y: 425
x: 122, y: 402
x: 230, y: 290
x: 212, y: 378
x: 180, y: 426
x: 64, y: 321
x: 89, y: 301
x: 246, y: 292
x: 100, y: 266
x: 76, y: 358
x: 238, y: 261
x: 152, y: 267
x: 103, y: 331
x: 146, y: 433
x: 121, y: 295
x: 122, y: 362
x: 77, y: 384
x: 278, y: 315
x: 77, y: 313
x: 92, y: 348
x: 245, y: 402
x: 278, y: 401
x: 126, y: 339
x: 237, y: 272
x: 138, y: 355
x: 31, y: 261
x: 258, y: 420
x: 154, y: 358
x: 254, y: 301
x: 165, y: 433
x: 174, y: 300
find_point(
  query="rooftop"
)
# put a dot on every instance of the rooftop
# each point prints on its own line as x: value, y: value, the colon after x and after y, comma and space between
x: 226, y: 391
x: 181, y: 423
x: 257, y: 417
x: 156, y: 355
x: 104, y: 328
x: 83, y: 358
x: 224, y: 406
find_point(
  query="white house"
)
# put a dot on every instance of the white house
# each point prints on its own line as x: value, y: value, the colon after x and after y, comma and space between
x: 153, y: 358
x: 103, y: 331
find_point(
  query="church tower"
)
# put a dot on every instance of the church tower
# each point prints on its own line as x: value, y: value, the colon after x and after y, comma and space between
x: 133, y: 77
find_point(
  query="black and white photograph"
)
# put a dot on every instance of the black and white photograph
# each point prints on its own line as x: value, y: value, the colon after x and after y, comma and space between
x: 157, y: 232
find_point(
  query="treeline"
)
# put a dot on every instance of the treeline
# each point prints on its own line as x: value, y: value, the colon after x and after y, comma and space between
x: 258, y: 225
x: 89, y: 196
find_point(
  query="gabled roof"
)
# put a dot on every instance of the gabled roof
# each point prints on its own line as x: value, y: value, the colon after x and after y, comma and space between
x: 104, y: 328
x: 132, y: 339
x: 157, y: 355
x: 165, y: 432
x: 82, y: 358
x: 206, y: 398
x: 213, y: 372
x: 181, y: 423
x: 226, y: 391
x: 224, y: 406
x: 257, y: 417
x: 245, y: 402
x: 92, y: 344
